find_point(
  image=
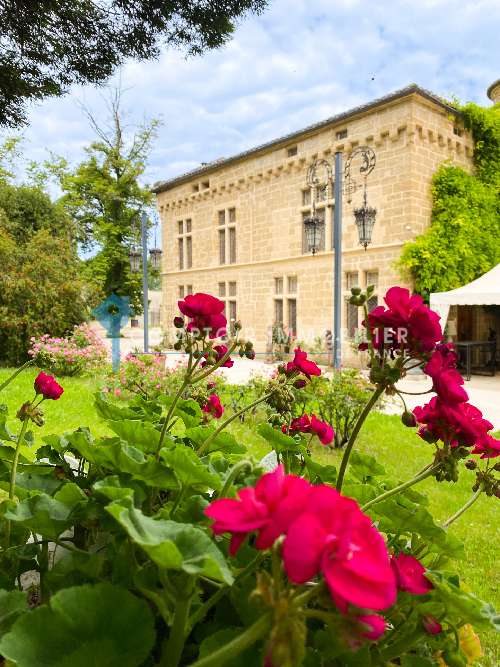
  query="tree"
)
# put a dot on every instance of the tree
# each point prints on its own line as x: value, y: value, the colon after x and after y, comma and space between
x: 104, y: 198
x: 51, y: 44
x: 41, y: 290
x: 463, y: 240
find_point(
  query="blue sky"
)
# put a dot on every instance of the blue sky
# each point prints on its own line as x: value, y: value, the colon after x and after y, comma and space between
x: 299, y: 62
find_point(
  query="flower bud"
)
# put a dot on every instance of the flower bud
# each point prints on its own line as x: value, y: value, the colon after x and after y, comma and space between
x: 178, y: 345
x: 250, y: 354
x: 299, y: 384
x: 408, y: 419
x: 179, y: 322
x: 431, y: 625
x: 471, y: 464
x: 355, y: 291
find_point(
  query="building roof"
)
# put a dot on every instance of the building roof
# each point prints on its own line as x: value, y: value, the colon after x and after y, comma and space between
x: 161, y: 186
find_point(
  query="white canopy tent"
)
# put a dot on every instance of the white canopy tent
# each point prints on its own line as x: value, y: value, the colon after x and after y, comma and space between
x: 484, y: 291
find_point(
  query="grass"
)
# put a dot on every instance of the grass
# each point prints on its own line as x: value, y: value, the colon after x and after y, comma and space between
x: 398, y: 448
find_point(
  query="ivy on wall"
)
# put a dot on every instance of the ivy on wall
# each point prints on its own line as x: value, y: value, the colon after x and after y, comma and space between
x: 463, y: 240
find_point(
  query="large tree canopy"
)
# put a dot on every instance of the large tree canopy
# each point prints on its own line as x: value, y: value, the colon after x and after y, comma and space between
x: 41, y: 290
x: 463, y: 240
x: 104, y: 199
x: 48, y: 45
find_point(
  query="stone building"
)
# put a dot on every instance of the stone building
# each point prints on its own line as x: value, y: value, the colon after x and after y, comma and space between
x: 234, y: 227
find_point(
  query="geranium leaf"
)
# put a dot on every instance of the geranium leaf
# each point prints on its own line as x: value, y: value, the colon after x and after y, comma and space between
x: 365, y: 466
x: 46, y: 515
x: 12, y: 604
x: 112, y: 454
x: 172, y: 545
x: 188, y: 468
x: 187, y: 409
x: 81, y: 626
x: 113, y: 411
x: 279, y: 441
x: 142, y: 435
x: 224, y: 442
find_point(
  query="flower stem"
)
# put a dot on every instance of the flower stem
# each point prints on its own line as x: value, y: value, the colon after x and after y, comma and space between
x: 202, y: 611
x: 364, y: 414
x: 237, y: 645
x: 15, y: 374
x: 463, y: 509
x: 175, y: 644
x: 401, y: 487
x: 202, y: 448
x: 233, y: 473
x: 13, y: 474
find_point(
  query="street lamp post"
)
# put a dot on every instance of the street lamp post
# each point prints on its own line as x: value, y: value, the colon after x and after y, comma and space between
x: 135, y: 257
x: 364, y: 217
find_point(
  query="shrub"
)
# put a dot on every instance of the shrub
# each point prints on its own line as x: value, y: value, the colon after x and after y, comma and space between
x: 339, y: 400
x: 82, y: 352
x: 174, y: 548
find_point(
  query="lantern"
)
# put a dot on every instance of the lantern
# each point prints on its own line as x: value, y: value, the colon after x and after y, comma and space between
x: 313, y: 228
x: 135, y: 260
x: 365, y: 220
x: 155, y: 258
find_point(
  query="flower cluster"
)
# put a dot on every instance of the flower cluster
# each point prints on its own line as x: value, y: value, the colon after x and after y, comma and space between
x: 216, y: 355
x: 47, y: 386
x: 205, y: 314
x: 213, y: 406
x: 448, y: 416
x: 324, y: 531
x: 82, y: 351
x: 407, y: 324
x: 311, y: 424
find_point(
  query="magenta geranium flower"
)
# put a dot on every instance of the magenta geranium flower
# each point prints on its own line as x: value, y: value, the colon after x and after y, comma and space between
x: 323, y: 430
x: 205, y: 313
x: 406, y: 324
x: 487, y: 446
x: 431, y: 625
x: 410, y: 575
x: 47, y: 386
x: 269, y: 508
x: 333, y: 536
x: 213, y: 406
x: 220, y: 352
x: 447, y: 381
x: 302, y: 364
x: 372, y: 627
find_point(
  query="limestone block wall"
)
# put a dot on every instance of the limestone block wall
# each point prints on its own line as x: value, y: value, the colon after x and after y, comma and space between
x: 264, y: 193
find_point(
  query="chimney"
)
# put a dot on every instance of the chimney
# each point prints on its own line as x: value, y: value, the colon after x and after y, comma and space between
x: 493, y: 92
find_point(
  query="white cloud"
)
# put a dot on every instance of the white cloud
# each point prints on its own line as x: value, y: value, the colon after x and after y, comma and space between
x: 299, y: 62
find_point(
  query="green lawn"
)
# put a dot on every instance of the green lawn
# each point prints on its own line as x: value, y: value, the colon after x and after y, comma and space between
x: 398, y: 448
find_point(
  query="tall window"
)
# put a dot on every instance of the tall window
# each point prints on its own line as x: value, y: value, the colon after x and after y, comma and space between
x: 184, y: 290
x: 285, y: 303
x: 371, y: 278
x: 227, y: 236
x: 185, y: 244
x: 352, y: 311
x: 227, y: 294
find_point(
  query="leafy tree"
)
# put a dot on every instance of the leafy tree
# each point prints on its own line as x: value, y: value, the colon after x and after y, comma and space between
x: 49, y: 45
x: 41, y: 290
x: 463, y: 240
x: 104, y: 198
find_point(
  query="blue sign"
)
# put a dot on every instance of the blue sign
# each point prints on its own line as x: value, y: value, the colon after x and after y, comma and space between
x: 113, y: 314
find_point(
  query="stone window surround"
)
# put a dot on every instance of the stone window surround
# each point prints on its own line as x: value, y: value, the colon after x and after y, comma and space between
x: 225, y: 220
x: 185, y: 243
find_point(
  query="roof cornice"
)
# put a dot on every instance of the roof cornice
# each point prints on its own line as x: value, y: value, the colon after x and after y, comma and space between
x: 210, y: 167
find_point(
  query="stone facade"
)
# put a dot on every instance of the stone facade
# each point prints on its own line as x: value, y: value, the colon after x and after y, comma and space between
x: 253, y: 206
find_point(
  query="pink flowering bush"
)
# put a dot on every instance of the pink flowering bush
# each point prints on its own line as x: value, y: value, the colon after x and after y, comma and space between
x: 177, y: 548
x: 81, y: 352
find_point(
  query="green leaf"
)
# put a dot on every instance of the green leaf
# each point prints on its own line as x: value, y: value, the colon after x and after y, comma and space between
x: 249, y: 658
x: 112, y: 488
x: 112, y: 411
x: 189, y: 469
x: 111, y: 454
x: 5, y: 432
x: 81, y: 626
x: 224, y: 442
x: 172, y: 545
x: 416, y: 661
x: 49, y: 516
x: 187, y: 409
x: 327, y: 474
x: 462, y: 604
x: 142, y: 435
x: 12, y: 604
x: 364, y: 466
x: 279, y: 441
